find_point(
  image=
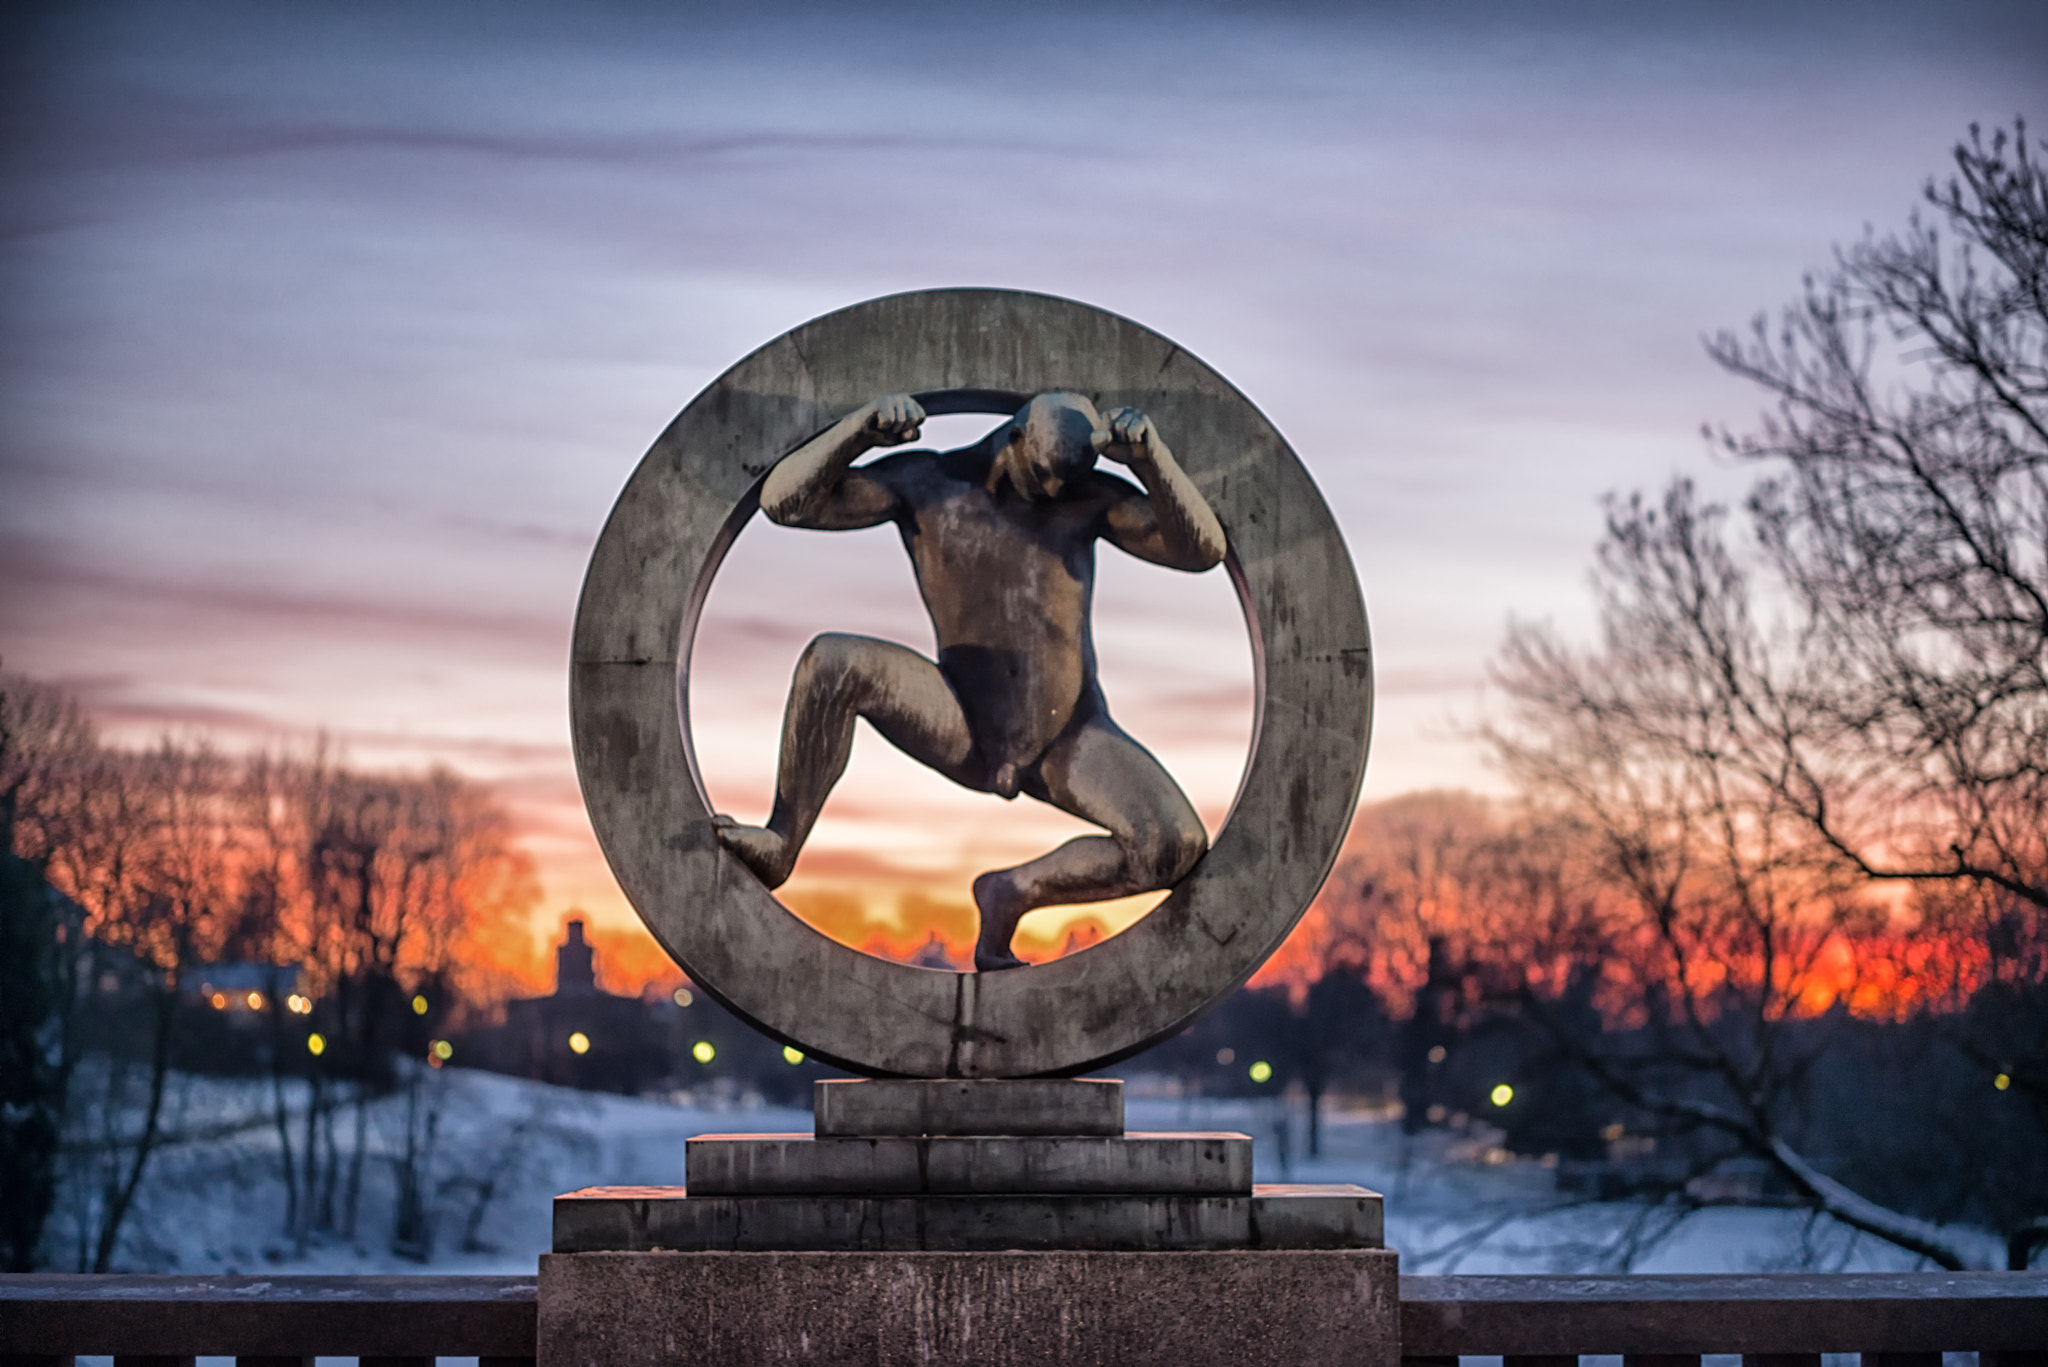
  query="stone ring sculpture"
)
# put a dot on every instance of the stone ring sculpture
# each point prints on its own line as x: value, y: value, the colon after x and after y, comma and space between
x: 953, y: 351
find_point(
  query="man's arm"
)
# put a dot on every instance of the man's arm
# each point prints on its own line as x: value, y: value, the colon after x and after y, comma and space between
x: 813, y: 487
x: 1173, y: 525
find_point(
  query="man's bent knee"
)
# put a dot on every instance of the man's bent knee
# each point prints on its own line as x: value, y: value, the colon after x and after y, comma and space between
x: 832, y: 661
x: 1163, y: 857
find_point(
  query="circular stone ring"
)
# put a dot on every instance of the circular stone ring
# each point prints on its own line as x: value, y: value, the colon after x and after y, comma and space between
x: 967, y: 351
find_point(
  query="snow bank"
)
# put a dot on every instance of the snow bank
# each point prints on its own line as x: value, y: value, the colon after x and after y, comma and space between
x: 505, y: 1146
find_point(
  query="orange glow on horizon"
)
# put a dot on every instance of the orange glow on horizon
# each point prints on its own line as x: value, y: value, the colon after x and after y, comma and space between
x: 891, y: 924
x: 920, y: 917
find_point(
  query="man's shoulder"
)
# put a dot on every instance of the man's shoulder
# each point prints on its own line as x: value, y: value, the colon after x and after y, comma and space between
x: 1107, y: 486
x: 929, y: 471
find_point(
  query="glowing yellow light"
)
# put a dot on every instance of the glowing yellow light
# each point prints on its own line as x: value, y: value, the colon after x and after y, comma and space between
x: 1436, y: 1053
x: 1501, y: 1095
x: 702, y: 1051
x: 220, y: 1001
x: 1261, y: 1071
x: 298, y: 1005
x: 1226, y: 1056
x: 579, y: 1043
x: 443, y: 1050
x: 419, y: 1006
x: 792, y: 1055
x: 2002, y: 1081
x: 683, y: 997
x: 255, y: 1001
x: 316, y: 1045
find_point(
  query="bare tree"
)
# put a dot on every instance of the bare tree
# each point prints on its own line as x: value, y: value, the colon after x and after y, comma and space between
x: 143, y: 845
x: 1767, y: 747
x: 1402, y: 884
x: 272, y: 893
x: 1906, y: 511
x: 124, y: 871
x: 382, y: 885
x: 42, y: 736
x: 176, y: 904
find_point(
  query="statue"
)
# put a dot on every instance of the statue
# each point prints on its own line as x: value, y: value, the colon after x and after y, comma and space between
x: 1002, y: 537
x: 974, y: 1131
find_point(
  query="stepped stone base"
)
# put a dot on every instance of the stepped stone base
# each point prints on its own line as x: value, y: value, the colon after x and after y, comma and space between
x: 962, y: 1165
x: 1334, y: 1309
x: 666, y: 1218
x: 904, y: 1105
x: 936, y: 1221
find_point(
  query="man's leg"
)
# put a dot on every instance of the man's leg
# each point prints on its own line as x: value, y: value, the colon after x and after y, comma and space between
x: 1101, y: 775
x: 901, y: 693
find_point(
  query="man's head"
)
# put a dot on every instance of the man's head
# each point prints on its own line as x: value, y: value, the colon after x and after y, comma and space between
x: 1052, y: 441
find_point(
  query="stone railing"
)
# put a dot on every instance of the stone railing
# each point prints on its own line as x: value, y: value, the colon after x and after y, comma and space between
x: 1779, y: 1320
x: 267, y: 1321
x: 1788, y: 1320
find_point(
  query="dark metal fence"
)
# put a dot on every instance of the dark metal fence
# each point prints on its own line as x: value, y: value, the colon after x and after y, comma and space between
x: 1906, y: 1320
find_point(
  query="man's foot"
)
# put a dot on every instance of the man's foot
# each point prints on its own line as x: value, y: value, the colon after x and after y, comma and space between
x: 766, y: 854
x: 1000, y: 912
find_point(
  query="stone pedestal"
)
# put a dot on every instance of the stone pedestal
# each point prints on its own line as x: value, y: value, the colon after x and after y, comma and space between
x: 1338, y: 1308
x: 971, y: 1222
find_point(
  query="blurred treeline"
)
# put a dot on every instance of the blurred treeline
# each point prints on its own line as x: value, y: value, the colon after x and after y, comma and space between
x: 1477, y: 967
x: 155, y: 900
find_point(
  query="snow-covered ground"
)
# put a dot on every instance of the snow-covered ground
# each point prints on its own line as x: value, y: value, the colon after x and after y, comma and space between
x: 219, y: 1207
x: 1454, y: 1205
x: 504, y: 1146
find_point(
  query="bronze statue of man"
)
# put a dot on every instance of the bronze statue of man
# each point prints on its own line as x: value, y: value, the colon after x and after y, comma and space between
x: 1002, y: 538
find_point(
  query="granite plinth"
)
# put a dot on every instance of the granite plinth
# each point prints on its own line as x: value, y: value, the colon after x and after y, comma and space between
x: 862, y: 1107
x: 1338, y: 1308
x: 643, y: 1219
x: 902, y: 1165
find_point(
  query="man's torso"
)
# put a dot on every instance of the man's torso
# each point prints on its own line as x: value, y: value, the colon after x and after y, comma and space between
x: 1008, y: 584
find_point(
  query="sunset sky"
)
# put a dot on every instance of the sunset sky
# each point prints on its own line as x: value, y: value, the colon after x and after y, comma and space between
x: 331, y: 332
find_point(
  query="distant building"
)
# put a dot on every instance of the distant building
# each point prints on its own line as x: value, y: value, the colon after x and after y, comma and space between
x: 665, y: 1043
x: 932, y: 954
x: 575, y: 965
x: 581, y: 1036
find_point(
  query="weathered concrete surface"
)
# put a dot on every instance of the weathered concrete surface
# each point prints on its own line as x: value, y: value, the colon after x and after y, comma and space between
x: 645, y: 1219
x: 651, y: 572
x: 1331, y: 1309
x: 963, y: 1165
x: 884, y: 1106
